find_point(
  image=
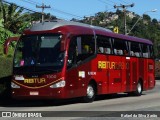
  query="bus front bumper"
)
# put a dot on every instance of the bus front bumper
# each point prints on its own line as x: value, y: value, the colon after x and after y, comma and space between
x: 38, y: 93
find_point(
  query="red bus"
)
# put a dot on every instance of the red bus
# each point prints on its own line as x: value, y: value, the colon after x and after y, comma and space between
x: 64, y: 59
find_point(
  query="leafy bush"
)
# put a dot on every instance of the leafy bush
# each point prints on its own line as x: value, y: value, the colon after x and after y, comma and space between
x: 5, y: 66
x: 5, y: 72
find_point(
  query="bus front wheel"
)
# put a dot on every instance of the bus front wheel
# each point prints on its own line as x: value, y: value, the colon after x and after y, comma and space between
x: 91, y: 93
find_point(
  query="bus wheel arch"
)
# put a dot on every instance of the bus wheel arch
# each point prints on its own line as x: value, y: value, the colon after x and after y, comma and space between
x: 91, y: 91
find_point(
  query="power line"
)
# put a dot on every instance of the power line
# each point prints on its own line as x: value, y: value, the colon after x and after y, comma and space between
x: 28, y: 1
x: 105, y: 2
x: 53, y: 9
x: 111, y: 1
x: 20, y: 6
x: 36, y: 3
x: 123, y: 1
x: 62, y: 12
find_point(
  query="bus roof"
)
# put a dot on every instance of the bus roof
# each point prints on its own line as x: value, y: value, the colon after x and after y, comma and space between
x: 51, y: 25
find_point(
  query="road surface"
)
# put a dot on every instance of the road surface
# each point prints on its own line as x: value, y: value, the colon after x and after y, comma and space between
x: 109, y: 107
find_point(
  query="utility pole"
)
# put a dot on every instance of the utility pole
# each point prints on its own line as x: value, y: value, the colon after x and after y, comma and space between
x: 124, y: 11
x: 43, y: 7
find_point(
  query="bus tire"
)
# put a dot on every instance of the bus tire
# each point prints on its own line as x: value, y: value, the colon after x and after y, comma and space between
x: 138, y: 91
x: 90, y: 94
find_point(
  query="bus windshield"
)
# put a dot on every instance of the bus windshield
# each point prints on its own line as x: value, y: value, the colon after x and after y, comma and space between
x: 39, y: 53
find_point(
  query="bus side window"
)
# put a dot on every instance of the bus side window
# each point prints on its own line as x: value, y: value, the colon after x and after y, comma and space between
x: 104, y: 45
x: 85, y: 47
x: 151, y: 51
x: 120, y: 47
x: 135, y: 49
x: 107, y: 50
x: 145, y: 50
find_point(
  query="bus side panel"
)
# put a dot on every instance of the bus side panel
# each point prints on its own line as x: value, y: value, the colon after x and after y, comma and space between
x: 72, y: 82
x: 128, y: 83
x: 102, y: 73
x: 149, y: 82
x: 145, y: 73
x: 132, y: 73
x: 151, y: 77
x: 115, y: 79
x: 79, y: 76
x: 125, y: 73
x: 142, y: 69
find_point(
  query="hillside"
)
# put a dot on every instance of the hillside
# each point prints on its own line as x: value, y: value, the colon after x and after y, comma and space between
x: 145, y: 28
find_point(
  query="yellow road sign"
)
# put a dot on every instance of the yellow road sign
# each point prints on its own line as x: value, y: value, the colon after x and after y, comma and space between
x: 116, y: 30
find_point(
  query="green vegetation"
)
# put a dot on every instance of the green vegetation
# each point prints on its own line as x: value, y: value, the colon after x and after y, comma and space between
x: 5, y: 63
x: 5, y: 66
x: 5, y: 69
x: 13, y: 21
x: 145, y: 28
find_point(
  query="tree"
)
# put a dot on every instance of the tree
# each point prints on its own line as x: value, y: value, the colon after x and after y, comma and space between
x: 38, y: 16
x: 8, y: 26
x: 147, y: 17
x: 14, y: 17
x: 155, y: 21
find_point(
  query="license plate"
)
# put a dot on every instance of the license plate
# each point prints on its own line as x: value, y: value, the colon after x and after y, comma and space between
x: 34, y: 93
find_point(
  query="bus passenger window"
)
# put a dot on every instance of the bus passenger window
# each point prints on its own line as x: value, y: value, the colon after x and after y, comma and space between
x: 104, y: 45
x: 137, y: 54
x: 85, y: 46
x: 132, y: 53
x: 151, y: 55
x: 107, y: 50
x: 119, y: 52
x: 125, y: 52
x: 115, y: 51
x: 145, y: 50
x: 101, y: 50
x: 135, y: 49
x: 120, y: 47
x: 85, y: 49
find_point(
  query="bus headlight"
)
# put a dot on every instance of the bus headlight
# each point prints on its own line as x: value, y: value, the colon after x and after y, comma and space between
x: 13, y: 85
x: 59, y: 84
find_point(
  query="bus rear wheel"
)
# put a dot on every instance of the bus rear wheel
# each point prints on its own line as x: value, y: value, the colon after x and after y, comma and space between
x: 91, y: 93
x: 138, y: 91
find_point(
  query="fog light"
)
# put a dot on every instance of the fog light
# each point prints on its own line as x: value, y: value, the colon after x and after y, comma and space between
x: 13, y: 85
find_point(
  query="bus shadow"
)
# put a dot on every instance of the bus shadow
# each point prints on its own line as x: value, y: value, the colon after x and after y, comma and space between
x: 8, y: 102
x: 115, y: 96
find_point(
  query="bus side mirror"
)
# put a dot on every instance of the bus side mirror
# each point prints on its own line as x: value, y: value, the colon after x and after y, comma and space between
x: 7, y: 43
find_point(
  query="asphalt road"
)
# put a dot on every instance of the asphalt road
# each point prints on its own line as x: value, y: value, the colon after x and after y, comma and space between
x: 119, y: 106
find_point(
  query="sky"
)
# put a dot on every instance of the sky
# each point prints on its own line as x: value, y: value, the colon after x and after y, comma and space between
x: 68, y: 9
